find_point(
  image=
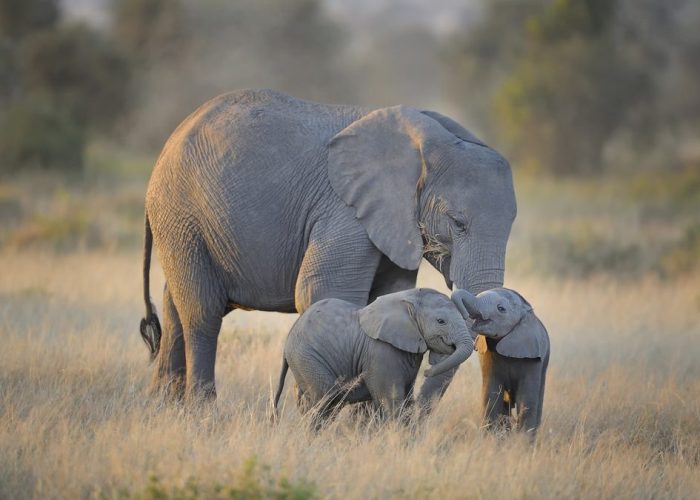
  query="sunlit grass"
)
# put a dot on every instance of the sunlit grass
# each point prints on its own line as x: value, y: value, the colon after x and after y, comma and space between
x: 611, y: 270
x: 621, y: 409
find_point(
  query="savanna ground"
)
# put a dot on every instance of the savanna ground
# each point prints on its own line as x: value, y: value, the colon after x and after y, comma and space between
x: 610, y: 266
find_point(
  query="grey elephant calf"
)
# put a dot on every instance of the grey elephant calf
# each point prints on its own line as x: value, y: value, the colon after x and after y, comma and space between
x: 513, y: 349
x: 343, y: 353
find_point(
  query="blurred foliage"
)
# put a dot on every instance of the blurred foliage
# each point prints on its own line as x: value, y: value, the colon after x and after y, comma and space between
x: 8, y: 71
x: 683, y: 256
x: 563, y: 85
x: 629, y: 226
x: 63, y: 232
x: 254, y: 482
x: 59, y: 212
x: 20, y: 18
x: 572, y: 88
x: 37, y: 131
x: 150, y: 31
x: 60, y: 83
x: 58, y: 223
x: 583, y: 251
x: 81, y: 69
x: 672, y: 191
x: 560, y: 86
x: 203, y: 48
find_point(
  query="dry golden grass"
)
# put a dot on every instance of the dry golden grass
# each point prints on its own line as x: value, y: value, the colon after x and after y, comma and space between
x: 621, y: 419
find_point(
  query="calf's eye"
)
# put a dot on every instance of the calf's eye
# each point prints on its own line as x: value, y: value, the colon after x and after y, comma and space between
x: 441, y: 321
x: 501, y: 308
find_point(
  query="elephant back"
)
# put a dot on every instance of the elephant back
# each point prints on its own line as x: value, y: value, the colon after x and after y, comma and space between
x: 325, y: 318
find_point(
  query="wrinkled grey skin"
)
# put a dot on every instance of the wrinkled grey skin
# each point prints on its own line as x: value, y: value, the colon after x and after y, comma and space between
x: 342, y: 353
x: 513, y: 350
x: 263, y: 201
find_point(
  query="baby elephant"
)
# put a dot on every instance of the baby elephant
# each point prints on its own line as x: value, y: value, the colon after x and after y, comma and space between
x: 514, y: 353
x: 343, y: 353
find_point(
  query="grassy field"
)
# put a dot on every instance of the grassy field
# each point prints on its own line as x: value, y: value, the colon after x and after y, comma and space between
x: 610, y: 270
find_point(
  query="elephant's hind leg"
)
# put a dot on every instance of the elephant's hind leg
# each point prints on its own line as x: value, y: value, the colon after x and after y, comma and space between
x: 201, y: 303
x: 201, y: 334
x: 322, y: 401
x: 169, y: 375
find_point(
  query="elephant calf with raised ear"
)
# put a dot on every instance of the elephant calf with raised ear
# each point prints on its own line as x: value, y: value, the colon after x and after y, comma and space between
x: 513, y: 348
x: 343, y: 353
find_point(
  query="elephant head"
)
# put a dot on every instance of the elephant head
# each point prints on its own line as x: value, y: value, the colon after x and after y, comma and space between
x: 417, y: 320
x: 506, y: 316
x: 421, y: 185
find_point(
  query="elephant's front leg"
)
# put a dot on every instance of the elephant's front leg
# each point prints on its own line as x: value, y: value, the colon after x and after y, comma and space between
x: 495, y: 400
x: 528, y: 399
x: 496, y: 406
x: 390, y: 379
x: 340, y: 263
x: 393, y: 402
x: 434, y: 388
x: 390, y: 278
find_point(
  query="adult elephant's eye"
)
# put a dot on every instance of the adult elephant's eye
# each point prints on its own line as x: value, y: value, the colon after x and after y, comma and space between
x: 501, y: 308
x: 441, y: 321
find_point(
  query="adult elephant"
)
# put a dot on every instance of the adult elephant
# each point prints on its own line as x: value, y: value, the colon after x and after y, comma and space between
x: 263, y: 201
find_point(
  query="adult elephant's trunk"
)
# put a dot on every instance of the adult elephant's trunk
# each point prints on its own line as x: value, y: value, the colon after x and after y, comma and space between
x: 478, y: 265
x: 465, y: 347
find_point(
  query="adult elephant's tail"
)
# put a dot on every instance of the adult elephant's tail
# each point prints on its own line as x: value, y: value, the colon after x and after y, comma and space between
x: 150, y: 326
x: 280, y: 386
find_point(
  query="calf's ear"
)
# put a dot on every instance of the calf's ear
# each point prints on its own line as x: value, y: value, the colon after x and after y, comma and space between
x: 528, y: 340
x: 391, y: 319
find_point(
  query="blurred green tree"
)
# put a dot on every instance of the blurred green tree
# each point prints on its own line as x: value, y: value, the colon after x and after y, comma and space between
x: 59, y: 84
x: 579, y: 86
x: 80, y: 68
x: 477, y: 63
x: 572, y: 89
x: 150, y: 31
x: 18, y: 18
x: 289, y: 45
x: 36, y: 131
x: 8, y: 71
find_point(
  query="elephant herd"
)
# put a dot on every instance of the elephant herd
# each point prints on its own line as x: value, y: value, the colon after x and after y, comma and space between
x: 261, y: 201
x: 343, y: 353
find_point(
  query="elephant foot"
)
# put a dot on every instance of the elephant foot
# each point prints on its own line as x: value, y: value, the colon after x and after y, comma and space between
x: 171, y: 389
x: 499, y: 426
x: 201, y: 396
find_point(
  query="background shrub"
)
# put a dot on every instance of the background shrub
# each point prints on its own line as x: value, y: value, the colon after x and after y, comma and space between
x: 39, y: 132
x: 60, y: 84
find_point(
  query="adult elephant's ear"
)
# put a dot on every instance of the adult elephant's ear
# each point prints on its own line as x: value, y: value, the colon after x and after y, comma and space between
x: 454, y: 127
x: 528, y: 339
x: 391, y: 319
x: 376, y: 165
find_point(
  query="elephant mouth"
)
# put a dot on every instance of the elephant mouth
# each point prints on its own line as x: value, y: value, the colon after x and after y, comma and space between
x: 480, y: 324
x: 450, y: 347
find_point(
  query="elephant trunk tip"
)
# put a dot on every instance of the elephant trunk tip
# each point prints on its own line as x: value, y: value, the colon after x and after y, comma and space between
x: 459, y: 356
x: 467, y: 304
